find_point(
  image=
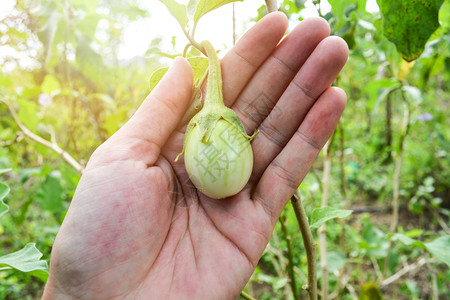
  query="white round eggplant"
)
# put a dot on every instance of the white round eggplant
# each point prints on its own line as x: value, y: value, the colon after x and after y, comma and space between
x: 221, y: 167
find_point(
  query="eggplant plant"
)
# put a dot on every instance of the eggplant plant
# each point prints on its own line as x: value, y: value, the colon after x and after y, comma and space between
x: 218, y: 154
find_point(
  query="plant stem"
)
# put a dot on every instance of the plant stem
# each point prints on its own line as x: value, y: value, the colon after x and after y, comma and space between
x: 398, y: 166
x: 193, y: 30
x: 186, y: 49
x: 438, y: 218
x: 344, y: 190
x: 276, y: 251
x: 193, y: 42
x: 214, y: 87
x: 271, y: 5
x: 396, y: 180
x: 388, y: 121
x: 196, y: 101
x: 344, y: 187
x: 246, y: 296
x: 276, y: 258
x: 290, y: 254
x: 405, y: 270
x: 322, y: 229
x: 309, y: 243
x: 51, y: 145
x: 396, y: 183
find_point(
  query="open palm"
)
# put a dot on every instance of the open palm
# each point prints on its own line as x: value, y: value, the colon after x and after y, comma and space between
x: 137, y: 228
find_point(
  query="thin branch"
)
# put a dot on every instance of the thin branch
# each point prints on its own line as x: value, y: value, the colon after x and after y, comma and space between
x: 186, y: 49
x: 271, y: 5
x: 17, y: 138
x: 439, y: 219
x: 317, y: 177
x: 344, y: 191
x: 322, y: 229
x: 273, y: 255
x: 434, y: 284
x: 193, y: 42
x: 344, y: 283
x: 193, y: 30
x: 300, y: 273
x: 388, y: 121
x: 51, y: 145
x: 352, y: 291
x: 398, y: 166
x: 290, y: 254
x: 309, y: 243
x: 344, y: 187
x: 376, y: 267
x: 282, y: 262
x: 398, y: 155
x: 246, y: 296
x: 405, y: 270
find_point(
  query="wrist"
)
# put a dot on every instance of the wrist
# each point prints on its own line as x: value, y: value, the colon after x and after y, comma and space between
x: 52, y: 292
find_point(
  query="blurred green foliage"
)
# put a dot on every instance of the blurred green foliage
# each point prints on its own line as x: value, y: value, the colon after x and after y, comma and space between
x: 74, y: 90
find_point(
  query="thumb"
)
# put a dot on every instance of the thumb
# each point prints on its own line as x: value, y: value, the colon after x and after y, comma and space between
x: 162, y: 110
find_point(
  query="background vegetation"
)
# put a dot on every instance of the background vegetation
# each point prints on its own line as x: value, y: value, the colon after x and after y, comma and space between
x: 388, y: 160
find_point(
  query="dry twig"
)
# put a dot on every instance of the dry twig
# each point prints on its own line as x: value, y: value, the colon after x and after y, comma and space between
x: 49, y: 144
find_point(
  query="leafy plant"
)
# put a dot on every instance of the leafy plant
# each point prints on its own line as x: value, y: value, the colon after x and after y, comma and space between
x: 27, y: 259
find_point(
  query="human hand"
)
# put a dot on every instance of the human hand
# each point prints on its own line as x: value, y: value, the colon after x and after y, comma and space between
x: 137, y: 228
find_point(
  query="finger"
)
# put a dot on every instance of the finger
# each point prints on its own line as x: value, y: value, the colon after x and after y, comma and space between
x: 315, y: 76
x: 162, y: 110
x: 278, y: 70
x: 285, y: 173
x: 241, y: 62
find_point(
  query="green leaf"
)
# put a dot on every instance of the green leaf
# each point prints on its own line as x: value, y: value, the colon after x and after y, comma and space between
x: 407, y: 240
x: 156, y: 77
x: 177, y: 10
x: 2, y: 171
x: 192, y: 5
x: 444, y: 16
x: 374, y: 240
x: 323, y: 214
x: 50, y: 84
x: 5, y: 81
x: 409, y: 24
x: 4, y: 190
x: 27, y: 113
x: 414, y: 233
x: 336, y: 260
x: 199, y: 66
x: 205, y: 6
x: 378, y: 90
x: 339, y: 8
x: 26, y: 260
x: 279, y: 283
x: 414, y: 94
x: 50, y: 194
x: 47, y: 33
x: 440, y: 248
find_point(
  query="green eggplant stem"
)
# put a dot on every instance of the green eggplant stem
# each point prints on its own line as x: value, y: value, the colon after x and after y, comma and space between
x: 214, y: 94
